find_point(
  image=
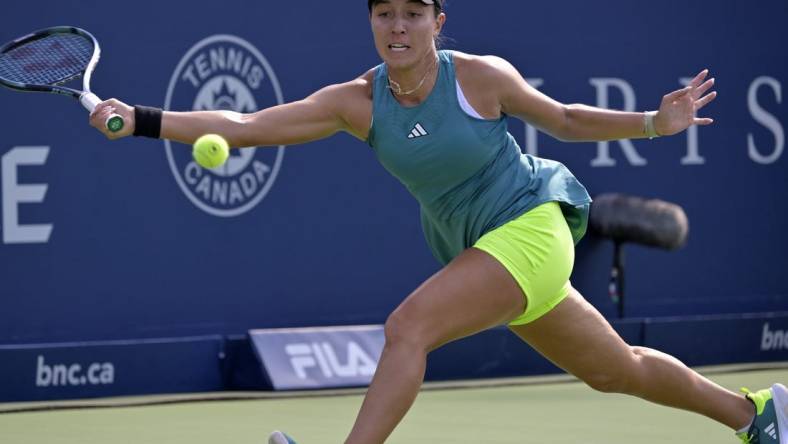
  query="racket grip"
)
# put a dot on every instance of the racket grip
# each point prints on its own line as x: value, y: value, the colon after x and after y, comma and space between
x: 90, y: 101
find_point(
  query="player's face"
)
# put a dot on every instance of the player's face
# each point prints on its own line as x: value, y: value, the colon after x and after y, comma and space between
x: 405, y: 31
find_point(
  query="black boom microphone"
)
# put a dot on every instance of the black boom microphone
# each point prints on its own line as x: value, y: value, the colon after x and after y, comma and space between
x: 650, y: 222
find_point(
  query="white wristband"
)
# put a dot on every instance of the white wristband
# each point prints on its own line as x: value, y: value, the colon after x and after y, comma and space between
x: 648, y: 123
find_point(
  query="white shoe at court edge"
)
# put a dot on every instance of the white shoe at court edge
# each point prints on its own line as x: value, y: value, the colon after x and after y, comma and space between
x: 278, y: 437
x: 770, y: 425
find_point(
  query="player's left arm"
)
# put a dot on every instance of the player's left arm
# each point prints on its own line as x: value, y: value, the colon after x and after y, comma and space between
x: 577, y: 122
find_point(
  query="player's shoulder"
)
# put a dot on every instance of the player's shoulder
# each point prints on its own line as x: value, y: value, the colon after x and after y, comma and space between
x: 352, y: 102
x: 366, y: 82
x: 358, y: 88
x: 484, y: 68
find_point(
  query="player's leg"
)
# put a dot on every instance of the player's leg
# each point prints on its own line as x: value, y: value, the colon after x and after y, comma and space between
x: 473, y: 293
x: 578, y: 339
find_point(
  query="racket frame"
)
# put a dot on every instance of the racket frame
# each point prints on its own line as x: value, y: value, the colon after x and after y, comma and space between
x: 88, y: 100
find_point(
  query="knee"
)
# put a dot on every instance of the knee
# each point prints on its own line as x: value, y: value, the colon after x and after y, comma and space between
x: 622, y: 376
x: 605, y: 382
x: 400, y: 330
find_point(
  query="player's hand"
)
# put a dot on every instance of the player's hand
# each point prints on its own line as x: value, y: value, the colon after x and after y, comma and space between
x: 679, y: 108
x: 105, y: 109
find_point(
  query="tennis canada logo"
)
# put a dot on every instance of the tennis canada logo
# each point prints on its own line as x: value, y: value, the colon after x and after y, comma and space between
x: 224, y: 72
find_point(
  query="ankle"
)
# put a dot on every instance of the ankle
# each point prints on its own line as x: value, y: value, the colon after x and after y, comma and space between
x: 747, y: 414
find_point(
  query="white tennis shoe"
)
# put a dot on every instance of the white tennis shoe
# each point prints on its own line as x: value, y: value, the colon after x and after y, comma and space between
x: 770, y: 425
x: 278, y: 437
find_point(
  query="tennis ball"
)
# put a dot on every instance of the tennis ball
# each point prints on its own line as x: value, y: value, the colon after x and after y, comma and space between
x: 210, y: 151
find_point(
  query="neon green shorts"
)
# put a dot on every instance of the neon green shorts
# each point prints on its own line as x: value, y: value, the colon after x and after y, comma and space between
x: 538, y: 251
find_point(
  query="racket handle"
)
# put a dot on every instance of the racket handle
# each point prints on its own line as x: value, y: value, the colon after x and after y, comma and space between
x: 114, y: 122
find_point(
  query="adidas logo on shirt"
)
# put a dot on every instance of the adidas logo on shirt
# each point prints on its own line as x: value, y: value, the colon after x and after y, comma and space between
x: 418, y: 131
x: 770, y: 431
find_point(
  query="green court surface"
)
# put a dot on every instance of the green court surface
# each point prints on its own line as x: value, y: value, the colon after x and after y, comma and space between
x: 556, y: 413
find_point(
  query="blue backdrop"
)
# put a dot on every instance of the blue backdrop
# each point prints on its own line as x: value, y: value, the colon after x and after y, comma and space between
x: 114, y: 240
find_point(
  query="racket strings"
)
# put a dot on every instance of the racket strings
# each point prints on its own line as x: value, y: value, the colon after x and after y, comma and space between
x: 51, y: 60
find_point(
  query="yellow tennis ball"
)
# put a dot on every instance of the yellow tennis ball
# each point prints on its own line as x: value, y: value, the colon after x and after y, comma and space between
x: 210, y: 150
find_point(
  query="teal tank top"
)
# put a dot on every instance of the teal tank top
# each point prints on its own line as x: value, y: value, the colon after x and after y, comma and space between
x: 468, y: 174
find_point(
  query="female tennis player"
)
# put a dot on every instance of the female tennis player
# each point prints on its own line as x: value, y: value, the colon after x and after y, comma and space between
x: 503, y: 223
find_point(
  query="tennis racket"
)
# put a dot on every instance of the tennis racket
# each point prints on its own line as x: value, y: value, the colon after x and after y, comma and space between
x: 44, y: 60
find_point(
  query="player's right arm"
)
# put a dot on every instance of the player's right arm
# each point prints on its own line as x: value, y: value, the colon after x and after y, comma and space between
x: 341, y: 107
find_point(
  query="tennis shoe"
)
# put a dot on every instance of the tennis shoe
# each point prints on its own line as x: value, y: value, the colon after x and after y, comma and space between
x: 770, y: 425
x: 278, y: 437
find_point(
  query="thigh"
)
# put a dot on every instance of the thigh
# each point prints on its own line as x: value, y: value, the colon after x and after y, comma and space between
x: 472, y: 293
x: 538, y: 251
x: 577, y: 338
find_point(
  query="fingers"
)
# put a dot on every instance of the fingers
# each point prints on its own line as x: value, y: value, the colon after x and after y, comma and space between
x: 102, y: 109
x: 675, y: 95
x: 701, y: 89
x: 705, y: 100
x: 703, y: 121
x: 697, y: 86
x: 99, y: 116
x: 103, y: 105
x: 699, y: 78
x: 102, y: 112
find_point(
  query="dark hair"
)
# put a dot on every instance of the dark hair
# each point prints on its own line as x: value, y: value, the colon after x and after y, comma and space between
x: 437, y: 4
